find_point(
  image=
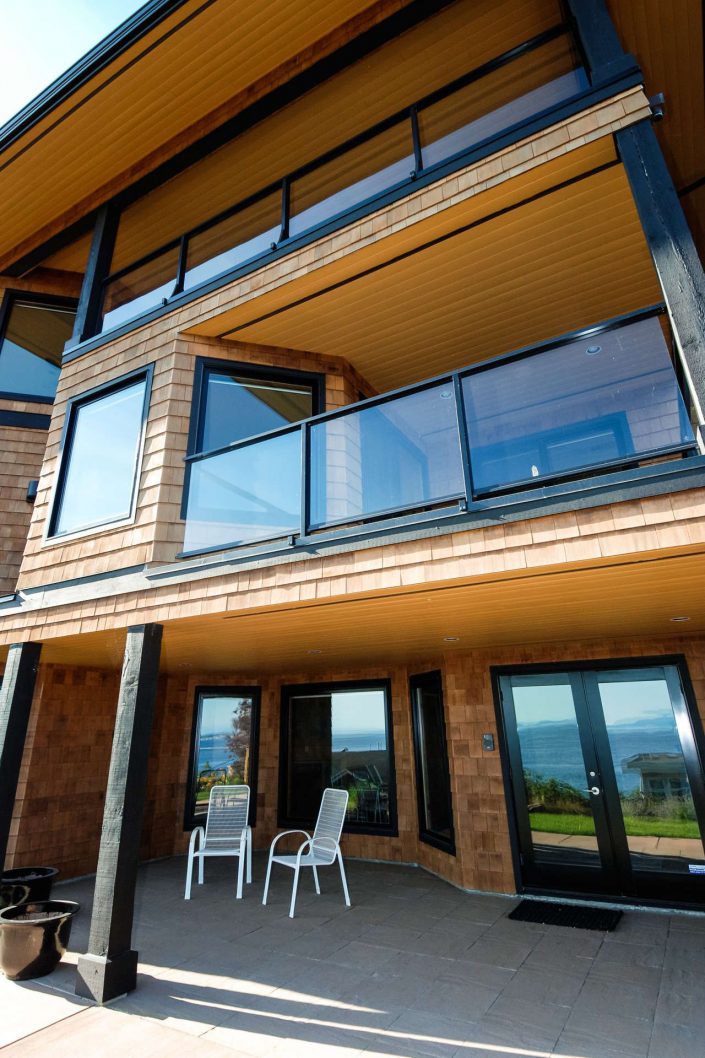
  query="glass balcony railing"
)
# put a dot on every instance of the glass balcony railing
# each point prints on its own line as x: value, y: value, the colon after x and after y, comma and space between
x: 606, y: 399
x: 530, y: 79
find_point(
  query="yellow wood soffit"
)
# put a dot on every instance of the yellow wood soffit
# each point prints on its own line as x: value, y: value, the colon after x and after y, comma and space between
x: 391, y: 244
x: 214, y: 56
x: 187, y: 67
x: 563, y: 261
x: 621, y: 600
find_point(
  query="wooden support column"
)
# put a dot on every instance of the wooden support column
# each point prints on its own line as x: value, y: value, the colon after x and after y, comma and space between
x: 100, y: 254
x: 605, y: 57
x: 15, y: 705
x: 109, y: 969
x: 670, y: 241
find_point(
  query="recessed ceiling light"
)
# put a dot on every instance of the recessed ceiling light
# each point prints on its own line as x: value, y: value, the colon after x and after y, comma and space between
x: 314, y: 651
x: 593, y: 350
x: 451, y: 639
x: 677, y: 619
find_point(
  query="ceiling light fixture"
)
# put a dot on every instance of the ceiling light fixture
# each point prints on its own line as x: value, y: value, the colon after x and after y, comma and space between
x: 314, y: 651
x: 678, y: 619
x: 593, y: 350
x: 451, y: 639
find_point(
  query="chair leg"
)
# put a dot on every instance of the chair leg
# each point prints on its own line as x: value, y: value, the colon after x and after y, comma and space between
x: 266, y: 881
x: 200, y: 869
x: 240, y: 872
x: 249, y: 857
x: 344, y: 879
x: 315, y: 879
x: 293, y: 892
x: 189, y: 874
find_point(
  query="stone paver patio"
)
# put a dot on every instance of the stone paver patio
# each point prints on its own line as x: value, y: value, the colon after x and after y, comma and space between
x: 415, y: 967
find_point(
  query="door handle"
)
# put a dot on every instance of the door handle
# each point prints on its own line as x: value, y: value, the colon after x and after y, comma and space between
x: 592, y: 789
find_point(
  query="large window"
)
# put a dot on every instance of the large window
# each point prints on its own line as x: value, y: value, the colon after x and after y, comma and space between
x: 235, y: 401
x: 431, y: 754
x: 251, y: 491
x: 588, y: 403
x: 223, y: 746
x: 33, y: 334
x: 338, y: 734
x: 101, y: 450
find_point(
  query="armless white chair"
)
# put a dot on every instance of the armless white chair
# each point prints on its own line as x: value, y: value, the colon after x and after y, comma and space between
x: 227, y: 833
x: 320, y: 850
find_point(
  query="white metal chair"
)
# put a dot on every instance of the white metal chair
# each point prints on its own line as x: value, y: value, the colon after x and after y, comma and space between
x: 226, y: 833
x: 320, y: 850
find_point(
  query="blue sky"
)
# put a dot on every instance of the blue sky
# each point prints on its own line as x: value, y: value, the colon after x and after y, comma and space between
x: 42, y: 38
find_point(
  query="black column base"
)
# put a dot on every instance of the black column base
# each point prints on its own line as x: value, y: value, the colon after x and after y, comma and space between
x: 102, y: 978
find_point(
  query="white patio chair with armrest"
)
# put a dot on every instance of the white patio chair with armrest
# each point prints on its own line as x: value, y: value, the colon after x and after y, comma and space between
x: 321, y: 849
x: 226, y: 833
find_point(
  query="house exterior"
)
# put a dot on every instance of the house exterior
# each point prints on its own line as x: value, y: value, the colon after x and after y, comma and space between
x: 352, y: 381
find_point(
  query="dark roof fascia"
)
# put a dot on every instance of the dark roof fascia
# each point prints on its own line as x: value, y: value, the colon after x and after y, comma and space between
x: 106, y: 51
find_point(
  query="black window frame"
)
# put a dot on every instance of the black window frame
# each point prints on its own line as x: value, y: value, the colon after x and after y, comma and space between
x: 50, y: 301
x: 416, y: 683
x: 297, y: 690
x: 73, y: 406
x: 215, y: 690
x: 257, y: 372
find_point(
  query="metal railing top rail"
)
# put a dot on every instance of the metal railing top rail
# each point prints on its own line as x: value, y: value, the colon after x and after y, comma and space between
x: 281, y: 184
x: 614, y: 323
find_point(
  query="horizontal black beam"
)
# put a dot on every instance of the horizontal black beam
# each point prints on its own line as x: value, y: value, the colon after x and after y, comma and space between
x: 25, y: 420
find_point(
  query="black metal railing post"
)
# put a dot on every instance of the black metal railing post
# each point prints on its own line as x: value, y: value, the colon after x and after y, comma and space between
x: 416, y: 140
x: 463, y: 438
x: 305, y: 478
x: 286, y: 208
x: 181, y: 266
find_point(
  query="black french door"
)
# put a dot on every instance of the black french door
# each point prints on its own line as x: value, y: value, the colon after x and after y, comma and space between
x: 606, y: 776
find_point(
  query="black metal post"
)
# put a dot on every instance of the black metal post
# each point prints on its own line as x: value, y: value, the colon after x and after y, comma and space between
x: 606, y: 58
x: 109, y: 969
x: 15, y: 705
x: 672, y: 248
x: 100, y: 255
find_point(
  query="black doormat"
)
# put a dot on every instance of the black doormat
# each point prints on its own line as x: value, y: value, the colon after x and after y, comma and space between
x: 604, y: 919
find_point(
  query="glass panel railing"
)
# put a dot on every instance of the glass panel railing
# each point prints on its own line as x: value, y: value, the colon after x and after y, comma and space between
x: 512, y: 93
x: 230, y: 242
x: 351, y: 177
x: 529, y: 79
x: 392, y: 456
x: 142, y: 288
x: 609, y: 400
x: 245, y: 494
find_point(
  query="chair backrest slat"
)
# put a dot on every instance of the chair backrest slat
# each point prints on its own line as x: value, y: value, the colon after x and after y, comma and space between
x: 329, y: 825
x: 228, y: 809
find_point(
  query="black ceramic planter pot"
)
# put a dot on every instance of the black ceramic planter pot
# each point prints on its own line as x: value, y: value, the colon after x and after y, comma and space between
x: 34, y: 936
x: 21, y: 884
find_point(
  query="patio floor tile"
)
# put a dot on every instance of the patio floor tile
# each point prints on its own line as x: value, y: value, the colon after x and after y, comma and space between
x: 414, y: 968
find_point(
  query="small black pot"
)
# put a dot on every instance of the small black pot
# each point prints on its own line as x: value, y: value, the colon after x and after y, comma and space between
x: 34, y: 936
x: 21, y: 884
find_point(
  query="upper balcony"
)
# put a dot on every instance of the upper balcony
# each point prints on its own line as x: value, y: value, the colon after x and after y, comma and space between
x: 581, y: 412
x: 394, y: 111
